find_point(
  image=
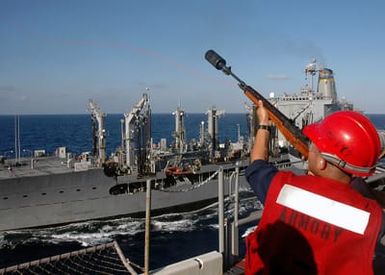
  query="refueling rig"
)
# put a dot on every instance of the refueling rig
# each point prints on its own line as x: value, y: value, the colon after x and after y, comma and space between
x: 139, y: 155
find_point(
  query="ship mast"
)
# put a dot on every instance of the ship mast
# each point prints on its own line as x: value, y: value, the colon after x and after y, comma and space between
x: 99, y: 138
x: 202, y: 134
x: 180, y: 130
x: 252, y: 123
x: 17, y: 139
x: 212, y: 128
x: 137, y: 135
x: 311, y: 69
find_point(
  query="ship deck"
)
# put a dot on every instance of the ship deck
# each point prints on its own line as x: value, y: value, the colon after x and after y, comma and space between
x: 41, y: 166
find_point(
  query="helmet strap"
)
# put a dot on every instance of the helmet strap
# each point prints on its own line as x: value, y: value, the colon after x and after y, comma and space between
x: 344, y: 165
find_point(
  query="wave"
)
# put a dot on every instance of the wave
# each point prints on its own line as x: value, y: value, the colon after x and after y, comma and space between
x: 102, y: 231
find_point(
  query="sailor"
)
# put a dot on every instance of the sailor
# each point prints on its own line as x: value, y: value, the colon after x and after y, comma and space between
x: 316, y: 223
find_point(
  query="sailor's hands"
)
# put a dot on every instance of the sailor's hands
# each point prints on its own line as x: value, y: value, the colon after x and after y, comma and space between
x: 263, y: 115
x: 260, y: 149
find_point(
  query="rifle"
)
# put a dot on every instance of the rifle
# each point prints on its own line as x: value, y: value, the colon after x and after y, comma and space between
x: 291, y: 132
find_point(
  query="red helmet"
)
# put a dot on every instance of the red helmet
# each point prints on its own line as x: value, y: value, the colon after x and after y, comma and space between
x: 348, y: 140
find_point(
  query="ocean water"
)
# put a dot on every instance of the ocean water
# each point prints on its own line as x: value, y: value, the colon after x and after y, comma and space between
x: 174, y: 237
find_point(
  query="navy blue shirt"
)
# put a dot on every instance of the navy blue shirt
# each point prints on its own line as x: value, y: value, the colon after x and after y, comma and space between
x: 259, y: 175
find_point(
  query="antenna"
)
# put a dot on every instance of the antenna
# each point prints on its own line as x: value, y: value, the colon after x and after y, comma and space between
x: 17, y: 138
x: 311, y: 69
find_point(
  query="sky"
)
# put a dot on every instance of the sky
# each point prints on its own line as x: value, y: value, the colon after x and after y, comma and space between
x: 56, y: 55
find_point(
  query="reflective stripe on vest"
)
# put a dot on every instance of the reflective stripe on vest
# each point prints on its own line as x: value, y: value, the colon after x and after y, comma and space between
x: 325, y: 209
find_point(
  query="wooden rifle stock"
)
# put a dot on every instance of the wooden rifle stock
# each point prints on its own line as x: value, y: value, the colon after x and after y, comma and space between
x: 292, y: 133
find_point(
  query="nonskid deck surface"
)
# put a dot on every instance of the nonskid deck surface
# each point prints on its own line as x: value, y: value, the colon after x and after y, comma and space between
x: 41, y: 166
x: 54, y: 165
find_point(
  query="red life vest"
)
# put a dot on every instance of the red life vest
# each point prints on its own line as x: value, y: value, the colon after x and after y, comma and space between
x: 313, y: 225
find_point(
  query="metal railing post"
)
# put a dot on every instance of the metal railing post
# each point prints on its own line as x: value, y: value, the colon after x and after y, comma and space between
x: 221, y: 212
x: 235, y: 233
x: 147, y: 228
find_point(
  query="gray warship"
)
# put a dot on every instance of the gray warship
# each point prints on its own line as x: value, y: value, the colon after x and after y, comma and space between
x: 44, y: 191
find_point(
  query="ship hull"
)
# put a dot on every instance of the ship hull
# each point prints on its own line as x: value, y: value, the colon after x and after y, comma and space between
x: 54, y: 199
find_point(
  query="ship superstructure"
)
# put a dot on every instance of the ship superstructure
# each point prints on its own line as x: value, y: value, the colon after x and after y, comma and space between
x: 311, y: 104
